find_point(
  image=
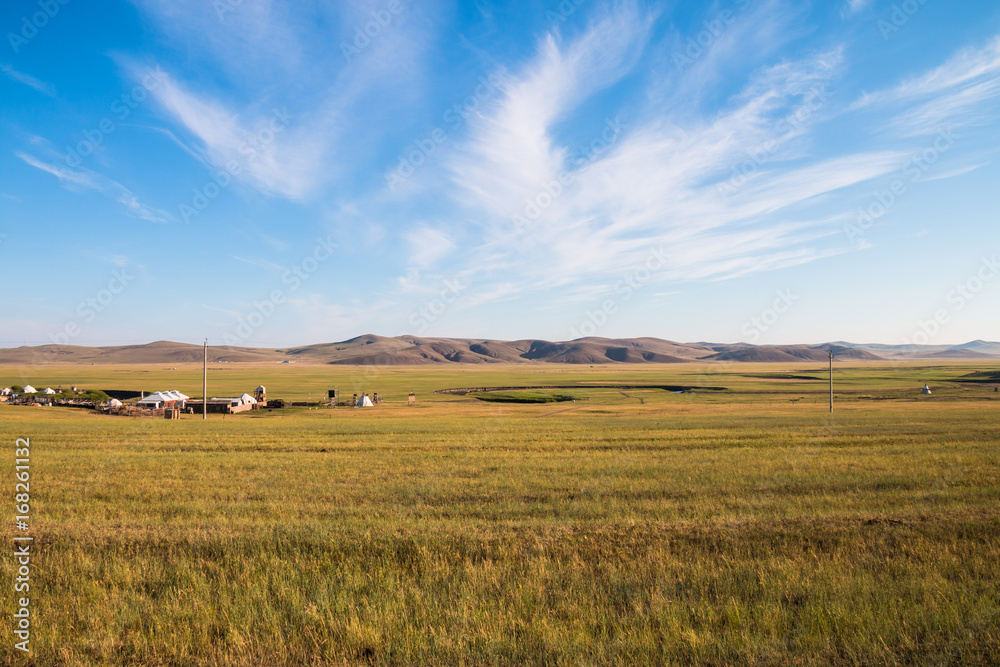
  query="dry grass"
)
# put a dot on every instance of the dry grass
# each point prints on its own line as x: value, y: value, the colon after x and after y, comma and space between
x: 750, y: 527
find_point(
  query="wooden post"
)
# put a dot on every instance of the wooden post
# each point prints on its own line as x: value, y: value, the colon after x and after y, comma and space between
x: 831, y: 380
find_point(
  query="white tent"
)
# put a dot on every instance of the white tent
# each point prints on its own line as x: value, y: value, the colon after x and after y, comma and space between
x: 5, y: 391
x: 926, y: 390
x: 365, y: 402
x: 48, y: 390
x: 114, y: 403
x: 28, y: 389
x: 246, y: 399
x: 157, y: 399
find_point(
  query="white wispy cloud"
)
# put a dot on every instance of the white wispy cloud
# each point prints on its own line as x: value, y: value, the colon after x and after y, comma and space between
x: 855, y: 6
x: 20, y: 77
x: 954, y: 92
x: 511, y: 151
x: 659, y: 182
x: 261, y: 264
x: 655, y: 185
x: 961, y: 171
x: 284, y: 121
x: 80, y: 179
x: 268, y: 150
x: 428, y: 245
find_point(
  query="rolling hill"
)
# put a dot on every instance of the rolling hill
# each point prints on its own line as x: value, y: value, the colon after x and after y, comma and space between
x: 410, y: 350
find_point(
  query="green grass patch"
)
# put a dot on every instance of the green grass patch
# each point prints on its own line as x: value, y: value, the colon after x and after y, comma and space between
x: 980, y: 376
x: 782, y: 376
x: 523, y: 397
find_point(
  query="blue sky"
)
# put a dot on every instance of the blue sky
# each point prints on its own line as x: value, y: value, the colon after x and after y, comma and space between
x: 274, y: 174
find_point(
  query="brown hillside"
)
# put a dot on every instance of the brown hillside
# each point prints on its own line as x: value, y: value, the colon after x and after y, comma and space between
x: 381, y: 350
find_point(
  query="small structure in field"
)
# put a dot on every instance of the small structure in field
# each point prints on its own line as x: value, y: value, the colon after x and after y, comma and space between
x: 411, y: 399
x: 28, y: 389
x: 5, y: 391
x: 226, y: 406
x: 260, y: 395
x: 925, y: 390
x: 49, y: 390
x: 163, y: 399
x: 365, y: 402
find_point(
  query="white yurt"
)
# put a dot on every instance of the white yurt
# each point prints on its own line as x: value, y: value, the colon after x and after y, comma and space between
x: 114, y: 403
x: 48, y: 390
x: 28, y: 389
x: 5, y: 391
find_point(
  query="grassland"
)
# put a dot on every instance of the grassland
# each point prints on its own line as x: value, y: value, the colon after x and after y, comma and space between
x: 634, y: 526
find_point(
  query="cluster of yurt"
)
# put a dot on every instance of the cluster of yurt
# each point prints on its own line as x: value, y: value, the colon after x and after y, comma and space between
x: 28, y: 389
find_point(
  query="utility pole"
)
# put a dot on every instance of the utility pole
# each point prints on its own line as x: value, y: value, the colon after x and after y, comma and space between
x: 204, y: 385
x: 831, y: 380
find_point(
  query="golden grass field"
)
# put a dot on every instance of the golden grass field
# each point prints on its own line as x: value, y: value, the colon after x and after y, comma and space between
x: 632, y: 526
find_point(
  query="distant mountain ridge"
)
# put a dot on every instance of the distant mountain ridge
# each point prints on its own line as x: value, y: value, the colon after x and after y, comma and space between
x: 409, y: 350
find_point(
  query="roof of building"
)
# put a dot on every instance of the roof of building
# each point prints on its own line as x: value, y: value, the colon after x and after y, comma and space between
x: 164, y: 397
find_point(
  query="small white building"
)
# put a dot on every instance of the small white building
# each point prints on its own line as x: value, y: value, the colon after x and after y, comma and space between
x: 5, y: 391
x: 48, y: 390
x: 241, y: 403
x: 163, y: 399
x: 925, y: 390
x: 28, y: 389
